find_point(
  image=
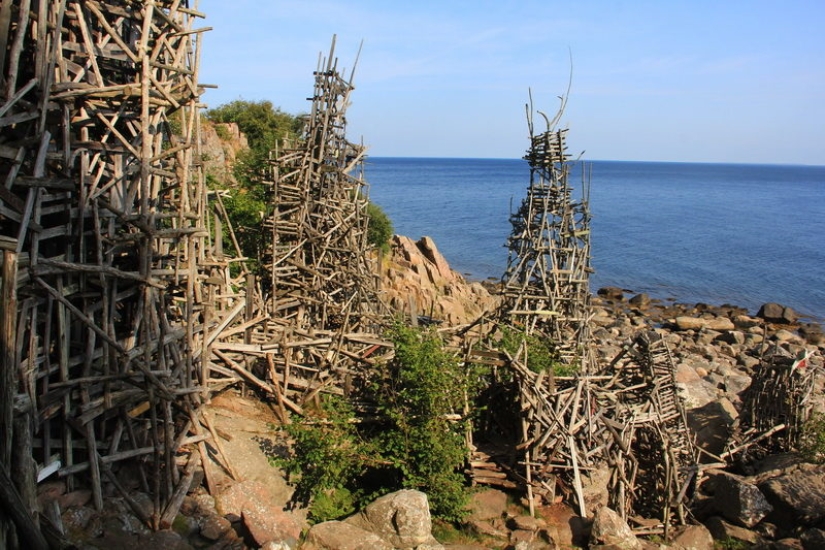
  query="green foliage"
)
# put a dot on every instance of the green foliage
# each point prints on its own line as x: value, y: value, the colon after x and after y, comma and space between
x: 417, y: 392
x: 223, y: 132
x: 380, y: 228
x: 541, y: 354
x: 449, y: 533
x: 248, y: 203
x: 327, y: 460
x: 731, y: 543
x: 343, y: 462
x: 812, y: 440
x: 263, y: 124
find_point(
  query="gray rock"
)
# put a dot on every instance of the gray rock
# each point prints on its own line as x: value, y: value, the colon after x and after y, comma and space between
x: 747, y: 361
x: 777, y: 313
x: 271, y: 524
x: 684, y: 322
x: 692, y: 537
x: 738, y: 501
x: 214, y: 527
x: 732, y: 337
x: 609, y: 529
x: 487, y: 504
x: 339, y: 535
x: 611, y: 293
x: 641, y: 300
x: 784, y: 335
x: 401, y: 518
x: 800, y: 494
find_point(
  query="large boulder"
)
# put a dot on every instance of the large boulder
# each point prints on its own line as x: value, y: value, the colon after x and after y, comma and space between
x: 401, y: 518
x: 261, y: 510
x: 799, y: 494
x: 340, y: 535
x: 416, y: 279
x: 609, y: 529
x: 739, y: 501
x: 777, y: 313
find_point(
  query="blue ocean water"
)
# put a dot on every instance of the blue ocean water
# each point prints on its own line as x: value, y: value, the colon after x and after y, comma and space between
x: 713, y: 233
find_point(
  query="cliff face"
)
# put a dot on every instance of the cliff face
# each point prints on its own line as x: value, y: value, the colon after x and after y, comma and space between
x: 417, y: 277
x: 220, y: 145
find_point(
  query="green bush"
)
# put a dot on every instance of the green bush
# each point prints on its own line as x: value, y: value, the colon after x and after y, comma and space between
x: 416, y: 393
x: 380, y: 229
x: 541, y: 353
x: 343, y: 461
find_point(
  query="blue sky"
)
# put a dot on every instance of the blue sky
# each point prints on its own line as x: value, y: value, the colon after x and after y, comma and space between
x: 732, y: 81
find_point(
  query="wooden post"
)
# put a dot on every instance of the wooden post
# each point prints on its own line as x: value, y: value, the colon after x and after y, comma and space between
x: 8, y: 366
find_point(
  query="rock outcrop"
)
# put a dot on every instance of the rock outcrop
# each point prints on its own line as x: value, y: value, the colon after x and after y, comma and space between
x: 416, y: 278
x: 220, y: 145
x: 399, y: 520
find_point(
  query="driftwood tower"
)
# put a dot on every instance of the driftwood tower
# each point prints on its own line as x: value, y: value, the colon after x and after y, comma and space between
x: 318, y: 267
x: 547, y: 281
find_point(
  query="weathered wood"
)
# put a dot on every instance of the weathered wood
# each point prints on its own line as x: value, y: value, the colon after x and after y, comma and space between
x: 14, y: 508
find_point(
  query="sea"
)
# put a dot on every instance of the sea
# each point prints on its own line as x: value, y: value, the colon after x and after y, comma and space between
x: 739, y: 234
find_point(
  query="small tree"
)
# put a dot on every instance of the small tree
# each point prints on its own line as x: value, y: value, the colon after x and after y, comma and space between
x: 420, y: 393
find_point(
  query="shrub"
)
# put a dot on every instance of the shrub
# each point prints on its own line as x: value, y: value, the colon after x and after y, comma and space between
x: 342, y: 461
x: 380, y: 228
x: 541, y: 354
x: 417, y: 393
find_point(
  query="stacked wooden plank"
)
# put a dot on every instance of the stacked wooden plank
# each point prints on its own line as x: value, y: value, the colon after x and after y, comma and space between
x: 102, y: 202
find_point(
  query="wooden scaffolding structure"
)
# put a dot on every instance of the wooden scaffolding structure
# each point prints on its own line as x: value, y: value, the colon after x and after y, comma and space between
x: 627, y: 418
x: 775, y: 407
x: 546, y: 286
x: 101, y: 210
x: 318, y: 318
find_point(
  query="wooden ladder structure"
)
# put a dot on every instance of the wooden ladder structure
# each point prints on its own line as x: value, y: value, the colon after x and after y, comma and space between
x: 317, y: 318
x: 546, y: 286
x: 659, y: 474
